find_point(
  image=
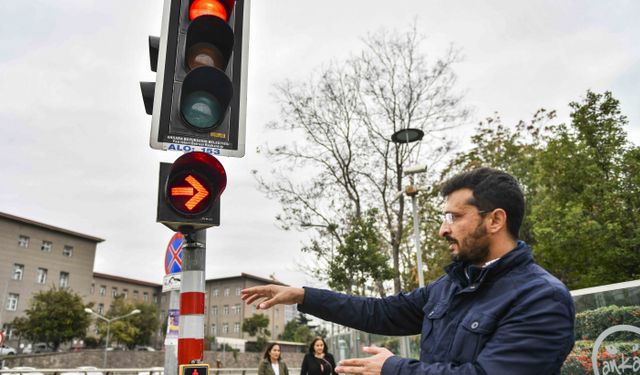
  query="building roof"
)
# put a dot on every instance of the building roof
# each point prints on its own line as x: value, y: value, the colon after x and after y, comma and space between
x: 145, y: 283
x: 126, y: 280
x: 249, y: 276
x: 50, y: 227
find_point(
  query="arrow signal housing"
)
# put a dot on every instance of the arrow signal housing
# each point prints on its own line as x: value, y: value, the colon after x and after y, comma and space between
x: 177, y: 221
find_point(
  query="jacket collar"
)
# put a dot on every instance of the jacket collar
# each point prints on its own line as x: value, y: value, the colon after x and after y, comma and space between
x: 458, y: 271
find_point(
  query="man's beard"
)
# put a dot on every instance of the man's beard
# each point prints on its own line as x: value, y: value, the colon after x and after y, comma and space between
x: 475, y: 248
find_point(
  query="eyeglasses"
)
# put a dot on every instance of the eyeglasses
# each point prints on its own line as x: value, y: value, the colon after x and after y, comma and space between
x: 450, y: 217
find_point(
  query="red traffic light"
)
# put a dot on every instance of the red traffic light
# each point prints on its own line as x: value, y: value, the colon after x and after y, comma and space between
x: 195, y: 181
x: 207, y: 7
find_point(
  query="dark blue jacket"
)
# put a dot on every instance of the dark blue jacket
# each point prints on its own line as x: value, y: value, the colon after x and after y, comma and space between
x: 512, y: 317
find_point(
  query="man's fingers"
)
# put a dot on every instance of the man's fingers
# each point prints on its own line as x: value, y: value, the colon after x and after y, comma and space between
x: 352, y: 362
x: 266, y: 304
x: 251, y: 298
x: 349, y: 370
x: 373, y: 349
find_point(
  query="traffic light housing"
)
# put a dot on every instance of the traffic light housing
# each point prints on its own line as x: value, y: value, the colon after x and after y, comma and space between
x: 199, y: 97
x: 189, y: 192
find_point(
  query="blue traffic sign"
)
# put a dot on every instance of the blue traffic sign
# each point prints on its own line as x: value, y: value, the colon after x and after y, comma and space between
x: 173, y: 256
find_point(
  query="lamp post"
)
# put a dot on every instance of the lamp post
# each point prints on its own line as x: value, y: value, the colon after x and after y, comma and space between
x: 406, y: 136
x: 106, y: 344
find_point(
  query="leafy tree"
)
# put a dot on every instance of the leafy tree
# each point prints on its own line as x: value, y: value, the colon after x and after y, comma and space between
x: 344, y: 119
x: 581, y: 184
x: 133, y: 330
x: 359, y: 261
x: 147, y: 322
x: 586, y: 215
x: 256, y: 326
x: 297, y: 332
x: 55, y: 316
x: 301, y: 330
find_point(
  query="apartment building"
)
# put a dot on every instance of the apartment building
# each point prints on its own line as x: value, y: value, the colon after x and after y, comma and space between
x: 225, y: 311
x: 36, y: 256
x: 105, y: 288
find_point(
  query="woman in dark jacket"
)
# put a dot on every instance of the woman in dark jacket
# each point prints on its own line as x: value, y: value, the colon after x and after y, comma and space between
x: 318, y: 361
x: 271, y: 363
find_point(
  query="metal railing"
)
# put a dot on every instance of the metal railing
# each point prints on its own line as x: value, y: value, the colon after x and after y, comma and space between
x: 128, y: 371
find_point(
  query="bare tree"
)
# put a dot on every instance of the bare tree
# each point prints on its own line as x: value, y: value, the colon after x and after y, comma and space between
x: 342, y: 162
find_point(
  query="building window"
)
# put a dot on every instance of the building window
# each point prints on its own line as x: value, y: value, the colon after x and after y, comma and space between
x: 214, y: 310
x: 92, y: 289
x: 46, y: 246
x: 236, y: 327
x: 237, y: 309
x: 155, y: 298
x: 12, y: 301
x: 67, y: 251
x: 215, y: 292
x: 214, y: 330
x: 238, y: 291
x: 135, y: 294
x: 41, y: 277
x: 145, y: 296
x: 101, y: 308
x: 226, y: 292
x: 103, y: 290
x: 125, y: 293
x: 64, y: 279
x: 114, y: 292
x: 18, y: 271
x: 23, y: 241
x: 225, y: 328
x: 225, y: 310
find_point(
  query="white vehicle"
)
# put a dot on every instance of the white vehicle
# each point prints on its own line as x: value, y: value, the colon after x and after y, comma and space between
x: 7, y: 350
x: 154, y: 371
x: 24, y: 371
x: 84, y: 370
x: 39, y: 347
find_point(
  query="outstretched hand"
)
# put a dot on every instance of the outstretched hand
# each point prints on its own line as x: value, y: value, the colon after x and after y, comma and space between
x: 365, y: 366
x: 273, y: 295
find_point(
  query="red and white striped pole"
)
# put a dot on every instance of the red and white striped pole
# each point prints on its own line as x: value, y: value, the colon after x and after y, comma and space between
x: 191, y: 337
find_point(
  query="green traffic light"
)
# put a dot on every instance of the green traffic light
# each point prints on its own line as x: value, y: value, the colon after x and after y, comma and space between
x: 201, y: 110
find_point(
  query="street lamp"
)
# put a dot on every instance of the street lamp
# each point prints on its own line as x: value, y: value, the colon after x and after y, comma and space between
x: 106, y: 344
x: 406, y: 136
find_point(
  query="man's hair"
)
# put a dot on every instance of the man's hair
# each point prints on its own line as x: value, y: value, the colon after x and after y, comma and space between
x: 491, y: 189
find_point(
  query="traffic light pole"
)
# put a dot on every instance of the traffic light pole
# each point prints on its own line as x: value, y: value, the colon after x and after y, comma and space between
x: 191, y: 337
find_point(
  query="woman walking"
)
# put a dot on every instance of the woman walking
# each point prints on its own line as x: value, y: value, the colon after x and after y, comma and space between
x: 271, y: 364
x: 318, y: 361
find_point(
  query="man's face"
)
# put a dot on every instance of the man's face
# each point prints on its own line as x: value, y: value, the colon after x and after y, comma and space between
x: 467, y: 235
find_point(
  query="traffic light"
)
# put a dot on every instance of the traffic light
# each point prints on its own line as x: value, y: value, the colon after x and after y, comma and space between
x: 199, y: 97
x: 189, y: 192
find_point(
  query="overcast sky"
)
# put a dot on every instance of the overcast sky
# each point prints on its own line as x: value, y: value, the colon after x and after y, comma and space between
x: 74, y: 148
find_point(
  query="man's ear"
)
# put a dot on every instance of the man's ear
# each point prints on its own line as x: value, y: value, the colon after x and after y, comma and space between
x: 497, y: 221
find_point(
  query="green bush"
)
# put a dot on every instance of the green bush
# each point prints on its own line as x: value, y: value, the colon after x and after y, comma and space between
x: 590, y: 324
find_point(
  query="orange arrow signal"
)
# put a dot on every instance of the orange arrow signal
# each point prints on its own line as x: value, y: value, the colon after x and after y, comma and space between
x: 200, y: 192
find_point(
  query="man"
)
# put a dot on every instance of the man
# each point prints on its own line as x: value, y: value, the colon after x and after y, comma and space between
x: 494, y: 312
